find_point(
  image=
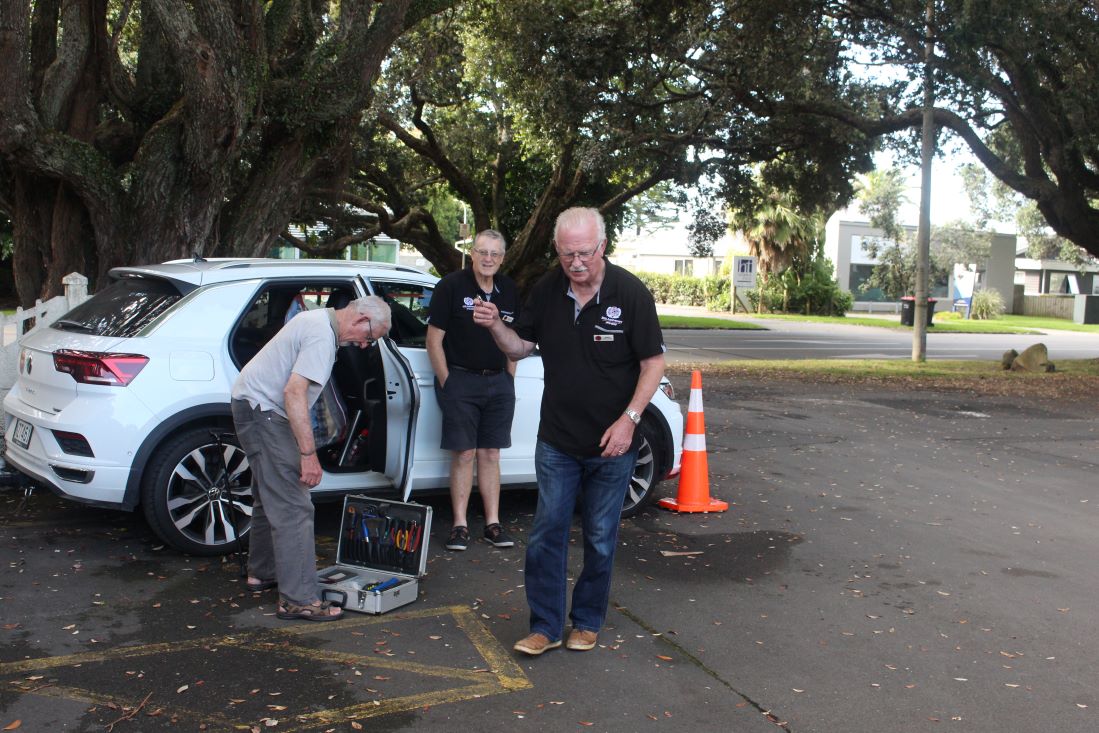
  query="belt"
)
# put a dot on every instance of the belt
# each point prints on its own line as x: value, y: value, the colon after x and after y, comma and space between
x: 479, y: 372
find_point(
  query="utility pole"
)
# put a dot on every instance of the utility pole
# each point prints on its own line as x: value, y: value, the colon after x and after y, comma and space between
x: 923, y: 235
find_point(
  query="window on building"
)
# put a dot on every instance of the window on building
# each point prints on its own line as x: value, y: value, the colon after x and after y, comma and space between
x: 684, y: 267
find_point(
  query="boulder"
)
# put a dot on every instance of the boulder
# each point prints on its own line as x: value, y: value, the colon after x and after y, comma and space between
x: 1033, y: 359
x: 1008, y: 357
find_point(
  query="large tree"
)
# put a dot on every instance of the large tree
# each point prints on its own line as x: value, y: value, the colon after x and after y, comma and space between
x: 1017, y: 81
x: 523, y: 108
x: 141, y: 130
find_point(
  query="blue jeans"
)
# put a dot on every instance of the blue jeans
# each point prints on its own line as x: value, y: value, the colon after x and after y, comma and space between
x: 598, y: 485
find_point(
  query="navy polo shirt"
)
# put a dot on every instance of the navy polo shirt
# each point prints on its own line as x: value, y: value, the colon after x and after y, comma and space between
x: 466, y: 344
x: 592, y: 361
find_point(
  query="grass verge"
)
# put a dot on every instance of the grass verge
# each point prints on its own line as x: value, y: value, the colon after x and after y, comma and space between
x: 1075, y: 379
x: 669, y: 321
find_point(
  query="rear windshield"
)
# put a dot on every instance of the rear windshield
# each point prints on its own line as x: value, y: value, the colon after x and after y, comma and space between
x: 122, y: 308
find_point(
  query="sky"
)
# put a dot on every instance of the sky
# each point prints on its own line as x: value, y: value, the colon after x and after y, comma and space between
x: 948, y: 198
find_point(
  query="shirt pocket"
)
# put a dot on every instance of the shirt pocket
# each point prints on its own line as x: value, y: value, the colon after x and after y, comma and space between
x: 609, y: 345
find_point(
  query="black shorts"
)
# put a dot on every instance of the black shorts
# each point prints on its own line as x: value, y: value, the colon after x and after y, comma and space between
x: 477, y: 410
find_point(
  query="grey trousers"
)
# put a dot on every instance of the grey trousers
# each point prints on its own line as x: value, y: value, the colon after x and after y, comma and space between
x: 281, y: 544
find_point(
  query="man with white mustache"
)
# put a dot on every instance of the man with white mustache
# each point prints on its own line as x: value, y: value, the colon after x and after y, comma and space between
x: 596, y: 327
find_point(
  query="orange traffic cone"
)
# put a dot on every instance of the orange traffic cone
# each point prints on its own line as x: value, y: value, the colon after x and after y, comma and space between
x: 694, y: 475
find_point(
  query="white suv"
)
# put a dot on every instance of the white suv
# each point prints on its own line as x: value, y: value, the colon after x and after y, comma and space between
x: 124, y: 401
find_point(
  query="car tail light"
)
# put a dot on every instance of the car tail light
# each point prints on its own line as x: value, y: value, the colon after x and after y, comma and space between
x: 93, y: 367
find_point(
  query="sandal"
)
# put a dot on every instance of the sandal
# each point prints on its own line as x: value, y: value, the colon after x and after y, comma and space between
x: 308, y: 612
x: 261, y: 585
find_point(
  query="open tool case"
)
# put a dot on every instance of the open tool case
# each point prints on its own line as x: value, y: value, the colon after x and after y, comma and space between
x: 381, y: 555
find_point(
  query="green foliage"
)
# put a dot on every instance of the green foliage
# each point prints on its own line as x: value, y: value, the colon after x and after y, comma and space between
x: 987, y: 304
x: 780, y: 233
x: 814, y: 292
x: 710, y: 292
x: 706, y: 229
x: 881, y: 195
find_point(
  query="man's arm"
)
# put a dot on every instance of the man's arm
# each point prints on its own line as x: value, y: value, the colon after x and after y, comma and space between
x: 436, y: 354
x: 515, y: 348
x: 296, y: 402
x: 652, y: 369
x: 619, y: 436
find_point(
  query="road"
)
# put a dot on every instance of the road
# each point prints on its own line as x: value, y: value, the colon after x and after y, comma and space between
x: 890, y: 561
x: 794, y: 340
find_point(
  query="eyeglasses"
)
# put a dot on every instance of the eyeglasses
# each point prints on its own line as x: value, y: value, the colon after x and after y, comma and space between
x: 583, y: 256
x: 489, y: 254
x: 370, y: 340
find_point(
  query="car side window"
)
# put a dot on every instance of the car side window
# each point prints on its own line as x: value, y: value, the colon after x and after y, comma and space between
x: 409, y: 304
x: 274, y: 304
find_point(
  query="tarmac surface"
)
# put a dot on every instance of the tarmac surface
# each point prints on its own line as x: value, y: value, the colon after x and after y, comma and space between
x: 890, y: 561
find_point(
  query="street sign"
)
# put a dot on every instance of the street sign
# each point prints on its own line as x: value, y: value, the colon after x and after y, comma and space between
x: 744, y: 272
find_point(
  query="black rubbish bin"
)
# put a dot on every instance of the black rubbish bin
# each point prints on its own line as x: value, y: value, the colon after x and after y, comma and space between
x: 908, y: 310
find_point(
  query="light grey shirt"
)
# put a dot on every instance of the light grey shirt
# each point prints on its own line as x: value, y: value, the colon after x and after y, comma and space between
x: 306, y: 345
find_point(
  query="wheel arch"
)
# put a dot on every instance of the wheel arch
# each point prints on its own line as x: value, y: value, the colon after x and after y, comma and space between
x: 209, y: 414
x: 667, y: 460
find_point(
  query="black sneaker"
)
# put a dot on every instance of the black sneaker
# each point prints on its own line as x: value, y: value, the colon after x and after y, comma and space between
x: 497, y: 537
x: 459, y: 539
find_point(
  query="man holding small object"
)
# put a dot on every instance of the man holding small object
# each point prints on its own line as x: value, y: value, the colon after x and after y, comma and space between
x: 596, y: 327
x: 474, y: 384
x: 271, y: 404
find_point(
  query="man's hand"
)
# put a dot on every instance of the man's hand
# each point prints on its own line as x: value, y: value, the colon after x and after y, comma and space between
x: 485, y: 313
x: 617, y: 438
x: 311, y: 470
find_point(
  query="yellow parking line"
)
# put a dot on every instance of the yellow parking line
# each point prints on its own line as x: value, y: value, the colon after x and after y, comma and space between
x: 500, y: 674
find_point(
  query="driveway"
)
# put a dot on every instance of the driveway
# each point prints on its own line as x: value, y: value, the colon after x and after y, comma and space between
x: 890, y: 561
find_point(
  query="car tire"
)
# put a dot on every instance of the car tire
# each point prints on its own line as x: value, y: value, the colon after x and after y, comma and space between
x: 188, y: 488
x: 649, y: 470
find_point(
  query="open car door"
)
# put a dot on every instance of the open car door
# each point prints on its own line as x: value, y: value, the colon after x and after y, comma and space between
x: 392, y: 450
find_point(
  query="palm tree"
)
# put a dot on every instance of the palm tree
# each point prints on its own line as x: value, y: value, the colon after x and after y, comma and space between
x: 779, y: 235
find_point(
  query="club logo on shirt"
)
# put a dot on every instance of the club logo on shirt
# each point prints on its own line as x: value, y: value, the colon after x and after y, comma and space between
x: 467, y: 303
x: 613, y: 316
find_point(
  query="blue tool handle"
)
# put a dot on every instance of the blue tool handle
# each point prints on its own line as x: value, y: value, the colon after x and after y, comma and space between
x: 386, y: 585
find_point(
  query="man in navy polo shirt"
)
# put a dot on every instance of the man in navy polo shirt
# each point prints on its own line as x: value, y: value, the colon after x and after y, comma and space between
x: 596, y: 327
x: 474, y: 383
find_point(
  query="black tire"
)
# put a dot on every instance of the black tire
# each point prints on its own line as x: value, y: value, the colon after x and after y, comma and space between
x: 196, y: 495
x: 650, y: 469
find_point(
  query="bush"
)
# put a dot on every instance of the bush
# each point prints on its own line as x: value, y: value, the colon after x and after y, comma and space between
x: 987, y: 304
x: 813, y: 293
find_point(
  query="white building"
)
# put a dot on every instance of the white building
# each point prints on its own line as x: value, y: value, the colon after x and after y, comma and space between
x: 664, y: 251
x: 845, y: 242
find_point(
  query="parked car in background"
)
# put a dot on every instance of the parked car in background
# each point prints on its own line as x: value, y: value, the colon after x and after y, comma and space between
x: 124, y: 401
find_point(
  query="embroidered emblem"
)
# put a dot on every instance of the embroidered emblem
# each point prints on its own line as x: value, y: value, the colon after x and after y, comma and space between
x: 614, y: 312
x: 467, y: 302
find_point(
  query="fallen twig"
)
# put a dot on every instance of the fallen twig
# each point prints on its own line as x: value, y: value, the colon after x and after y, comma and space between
x: 129, y: 715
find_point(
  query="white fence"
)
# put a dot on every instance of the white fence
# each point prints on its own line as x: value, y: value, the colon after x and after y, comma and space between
x: 25, y: 321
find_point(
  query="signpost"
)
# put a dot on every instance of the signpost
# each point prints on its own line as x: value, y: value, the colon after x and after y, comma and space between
x: 744, y: 277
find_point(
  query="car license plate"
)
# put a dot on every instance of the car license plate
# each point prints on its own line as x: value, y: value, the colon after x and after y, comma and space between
x: 21, y: 436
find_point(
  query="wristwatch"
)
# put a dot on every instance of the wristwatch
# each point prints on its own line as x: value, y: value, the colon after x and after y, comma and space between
x: 633, y: 415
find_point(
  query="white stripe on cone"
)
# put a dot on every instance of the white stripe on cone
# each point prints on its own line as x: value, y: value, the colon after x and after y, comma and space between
x: 694, y: 442
x: 695, y: 405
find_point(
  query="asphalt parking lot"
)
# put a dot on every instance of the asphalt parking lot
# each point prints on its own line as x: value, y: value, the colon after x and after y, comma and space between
x: 890, y: 561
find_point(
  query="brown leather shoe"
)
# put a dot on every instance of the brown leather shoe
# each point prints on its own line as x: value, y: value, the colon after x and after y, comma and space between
x: 535, y: 644
x: 581, y: 641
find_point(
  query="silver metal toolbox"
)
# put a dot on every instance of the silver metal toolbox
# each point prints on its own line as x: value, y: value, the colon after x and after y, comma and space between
x: 380, y: 557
